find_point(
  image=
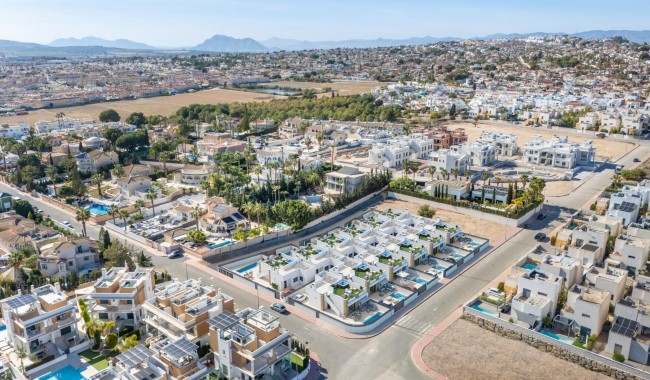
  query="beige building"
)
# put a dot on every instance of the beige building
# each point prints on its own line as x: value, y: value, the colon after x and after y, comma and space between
x: 92, y: 161
x: 345, y: 180
x: 69, y: 255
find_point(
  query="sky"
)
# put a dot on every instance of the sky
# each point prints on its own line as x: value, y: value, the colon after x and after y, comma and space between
x: 180, y: 23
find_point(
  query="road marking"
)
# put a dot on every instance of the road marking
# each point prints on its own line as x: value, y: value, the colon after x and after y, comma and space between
x: 413, y: 324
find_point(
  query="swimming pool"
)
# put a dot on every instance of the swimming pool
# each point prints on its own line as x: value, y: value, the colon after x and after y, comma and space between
x: 247, y: 267
x: 68, y: 373
x: 457, y: 256
x: 3, y: 328
x: 419, y: 280
x: 484, y: 311
x: 529, y: 266
x: 473, y: 243
x: 222, y: 244
x: 97, y: 209
x: 399, y: 296
x: 373, y: 318
x: 556, y: 337
x: 439, y: 267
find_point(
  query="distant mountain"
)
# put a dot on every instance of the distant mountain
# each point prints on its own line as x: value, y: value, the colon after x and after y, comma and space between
x: 96, y: 41
x: 289, y: 44
x: 638, y: 36
x: 226, y: 44
x: 8, y: 44
x: 502, y: 36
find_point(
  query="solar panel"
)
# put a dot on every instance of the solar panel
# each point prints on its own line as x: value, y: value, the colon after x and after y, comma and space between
x: 21, y: 300
x: 627, y: 207
x: 134, y: 356
x: 625, y: 326
x: 180, y: 348
x: 223, y: 320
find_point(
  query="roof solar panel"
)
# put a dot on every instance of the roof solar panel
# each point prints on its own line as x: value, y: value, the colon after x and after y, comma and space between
x: 134, y: 356
x: 625, y: 326
x: 223, y: 320
x: 180, y: 348
x: 21, y: 300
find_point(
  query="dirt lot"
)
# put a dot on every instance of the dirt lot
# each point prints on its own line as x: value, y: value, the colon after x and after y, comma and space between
x: 162, y: 105
x: 469, y: 225
x: 342, y: 88
x: 604, y: 148
x: 466, y: 351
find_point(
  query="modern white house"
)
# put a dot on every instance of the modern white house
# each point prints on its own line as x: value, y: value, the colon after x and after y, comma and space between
x: 481, y: 153
x: 42, y: 322
x: 586, y: 310
x: 625, y: 206
x: 449, y: 159
x: 505, y: 144
x: 66, y: 256
x: 397, y: 151
x: 588, y: 244
x: 536, y: 298
x: 631, y: 251
x: 562, y: 266
x: 630, y: 332
x: 558, y: 152
x: 609, y: 278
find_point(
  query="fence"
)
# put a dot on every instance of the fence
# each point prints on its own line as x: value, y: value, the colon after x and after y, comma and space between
x: 554, y: 342
x: 477, y: 213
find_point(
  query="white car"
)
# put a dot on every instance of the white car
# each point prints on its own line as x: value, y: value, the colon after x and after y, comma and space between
x: 67, y: 223
x: 175, y: 253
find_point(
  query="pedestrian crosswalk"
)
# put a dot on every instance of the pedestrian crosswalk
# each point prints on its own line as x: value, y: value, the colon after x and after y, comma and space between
x: 413, y: 325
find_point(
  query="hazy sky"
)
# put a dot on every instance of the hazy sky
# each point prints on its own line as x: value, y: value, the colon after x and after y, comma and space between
x: 189, y: 22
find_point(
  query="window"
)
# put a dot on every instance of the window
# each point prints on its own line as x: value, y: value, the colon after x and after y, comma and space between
x: 586, y: 315
x: 542, y: 294
x: 103, y: 302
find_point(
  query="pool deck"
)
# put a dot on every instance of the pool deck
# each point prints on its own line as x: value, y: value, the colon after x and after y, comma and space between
x: 73, y: 360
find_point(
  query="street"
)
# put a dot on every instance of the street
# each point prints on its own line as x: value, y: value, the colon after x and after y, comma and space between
x: 386, y: 356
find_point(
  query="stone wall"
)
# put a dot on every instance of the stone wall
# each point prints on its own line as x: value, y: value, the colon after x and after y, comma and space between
x: 567, y: 354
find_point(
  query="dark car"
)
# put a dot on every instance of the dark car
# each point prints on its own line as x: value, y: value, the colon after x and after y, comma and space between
x: 175, y: 253
x: 279, y: 308
x: 541, y: 216
x: 636, y: 160
x: 540, y: 236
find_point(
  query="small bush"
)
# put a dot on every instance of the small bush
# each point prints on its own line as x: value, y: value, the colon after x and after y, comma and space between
x: 502, y: 286
x: 426, y: 211
x: 619, y: 357
x: 553, y: 239
x: 591, y: 341
x: 579, y: 344
x: 111, y: 341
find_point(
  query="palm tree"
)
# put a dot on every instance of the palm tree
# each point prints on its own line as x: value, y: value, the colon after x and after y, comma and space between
x: 124, y: 215
x: 320, y: 136
x: 16, y: 261
x: 164, y: 157
x: 144, y: 260
x: 52, y: 172
x: 118, y: 171
x: 4, y: 159
x: 196, y: 214
x: 97, y: 179
x: 484, y: 177
x: 22, y: 354
x: 82, y: 216
x: 276, y: 188
x: 467, y: 174
x: 524, y: 180
x: 456, y: 172
x: 59, y: 117
x: 114, y: 211
x: 432, y: 170
x: 151, y: 195
x: 497, y: 180
x: 307, y: 141
x: 444, y: 173
x: 258, y: 171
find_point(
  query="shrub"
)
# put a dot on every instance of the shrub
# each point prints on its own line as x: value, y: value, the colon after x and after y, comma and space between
x: 579, y: 344
x: 502, y: 286
x: 511, y: 320
x: 553, y: 239
x: 111, y: 341
x: 43, y: 361
x: 591, y: 341
x: 618, y: 357
x: 426, y: 211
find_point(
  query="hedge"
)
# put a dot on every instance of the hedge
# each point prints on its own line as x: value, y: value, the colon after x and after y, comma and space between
x: 43, y: 361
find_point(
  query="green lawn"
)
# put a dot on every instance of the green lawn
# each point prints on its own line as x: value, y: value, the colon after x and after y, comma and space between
x: 96, y: 359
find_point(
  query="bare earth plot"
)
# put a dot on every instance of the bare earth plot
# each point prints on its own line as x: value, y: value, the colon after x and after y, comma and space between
x: 473, y: 226
x: 161, y: 105
x: 466, y: 351
x: 604, y: 148
x: 342, y: 88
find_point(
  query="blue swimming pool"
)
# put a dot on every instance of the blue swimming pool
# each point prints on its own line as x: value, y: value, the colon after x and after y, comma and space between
x: 222, y: 244
x: 529, y: 266
x: 66, y: 373
x: 473, y: 243
x: 457, y: 256
x: 419, y: 280
x: 484, y: 311
x: 439, y: 267
x: 373, y: 318
x: 556, y: 337
x: 3, y: 328
x: 97, y: 209
x: 247, y: 267
x: 399, y: 296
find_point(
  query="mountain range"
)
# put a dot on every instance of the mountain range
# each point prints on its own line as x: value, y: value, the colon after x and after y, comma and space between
x: 226, y: 44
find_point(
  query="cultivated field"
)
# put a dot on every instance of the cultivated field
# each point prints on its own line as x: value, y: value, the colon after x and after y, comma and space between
x: 161, y: 105
x: 469, y: 225
x: 605, y: 148
x: 465, y: 351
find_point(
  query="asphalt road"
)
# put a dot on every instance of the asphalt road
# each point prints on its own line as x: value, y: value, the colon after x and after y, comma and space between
x: 387, y: 356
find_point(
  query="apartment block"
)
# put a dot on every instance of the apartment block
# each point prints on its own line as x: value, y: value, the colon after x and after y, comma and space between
x: 181, y: 309
x: 505, y: 144
x: 42, y: 322
x: 558, y: 152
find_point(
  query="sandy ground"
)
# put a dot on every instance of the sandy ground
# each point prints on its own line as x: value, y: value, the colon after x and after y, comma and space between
x: 162, y: 105
x: 342, y: 88
x: 473, y: 226
x: 466, y: 351
x: 558, y: 188
x: 604, y: 148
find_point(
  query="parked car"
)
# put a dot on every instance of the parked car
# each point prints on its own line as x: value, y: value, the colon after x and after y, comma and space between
x: 67, y: 223
x: 279, y: 308
x: 541, y: 216
x: 636, y: 160
x: 175, y: 253
x: 540, y: 236
x: 38, y: 210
